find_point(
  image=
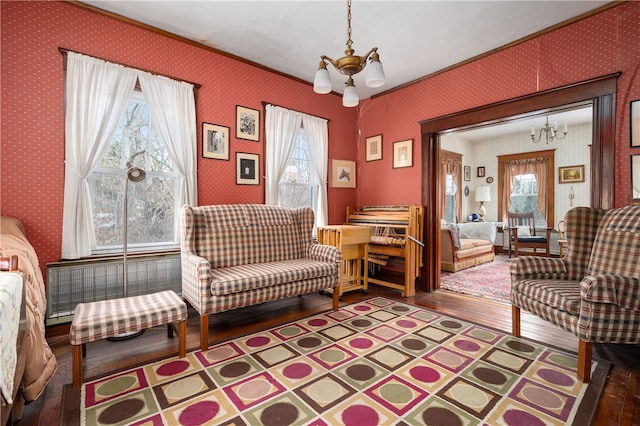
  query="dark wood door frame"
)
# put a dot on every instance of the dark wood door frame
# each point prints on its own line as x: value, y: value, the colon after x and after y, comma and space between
x: 600, y: 92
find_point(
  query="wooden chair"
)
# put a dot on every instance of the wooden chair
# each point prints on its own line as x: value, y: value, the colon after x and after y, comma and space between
x: 562, y: 237
x: 522, y: 234
x: 9, y: 263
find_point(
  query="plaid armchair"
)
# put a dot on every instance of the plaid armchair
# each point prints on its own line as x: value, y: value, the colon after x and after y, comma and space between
x: 594, y: 291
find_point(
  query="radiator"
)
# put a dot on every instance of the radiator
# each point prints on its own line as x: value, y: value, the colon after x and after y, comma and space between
x: 73, y: 282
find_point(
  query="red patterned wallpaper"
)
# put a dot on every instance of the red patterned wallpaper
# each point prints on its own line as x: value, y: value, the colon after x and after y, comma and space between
x: 32, y: 132
x: 32, y: 142
x: 600, y: 45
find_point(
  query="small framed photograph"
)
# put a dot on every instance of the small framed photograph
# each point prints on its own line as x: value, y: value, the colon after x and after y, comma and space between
x: 635, y: 123
x: 403, y: 154
x: 247, y: 123
x: 343, y: 174
x: 215, y: 141
x: 571, y: 174
x: 467, y: 173
x: 481, y: 171
x: 373, y: 148
x: 247, y: 169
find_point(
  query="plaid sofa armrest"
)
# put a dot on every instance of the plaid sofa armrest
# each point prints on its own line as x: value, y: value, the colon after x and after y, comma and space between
x: 324, y: 253
x: 612, y: 289
x: 196, y: 280
x: 536, y: 267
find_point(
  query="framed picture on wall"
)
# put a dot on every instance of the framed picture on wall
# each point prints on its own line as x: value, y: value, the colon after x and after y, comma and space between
x: 635, y: 123
x: 215, y: 141
x: 247, y: 169
x: 571, y: 174
x: 343, y: 174
x: 480, y: 171
x: 247, y: 123
x: 467, y: 173
x: 403, y: 154
x: 373, y: 148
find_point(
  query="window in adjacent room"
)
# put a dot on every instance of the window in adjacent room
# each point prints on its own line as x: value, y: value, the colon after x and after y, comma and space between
x: 151, y: 202
x: 451, y: 172
x: 526, y: 183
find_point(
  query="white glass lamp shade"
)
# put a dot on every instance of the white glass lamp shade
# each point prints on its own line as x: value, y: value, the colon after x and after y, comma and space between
x: 375, y: 74
x: 350, y: 97
x: 483, y: 193
x: 322, y: 82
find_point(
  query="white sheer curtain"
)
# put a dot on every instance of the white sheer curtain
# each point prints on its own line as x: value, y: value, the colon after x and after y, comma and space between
x: 173, y: 108
x: 317, y: 133
x: 281, y: 128
x: 97, y: 94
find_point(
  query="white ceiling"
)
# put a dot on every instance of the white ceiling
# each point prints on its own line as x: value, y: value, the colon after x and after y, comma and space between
x: 415, y: 38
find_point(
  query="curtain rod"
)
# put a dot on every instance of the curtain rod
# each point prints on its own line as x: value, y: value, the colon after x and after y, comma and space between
x: 265, y: 103
x: 64, y: 52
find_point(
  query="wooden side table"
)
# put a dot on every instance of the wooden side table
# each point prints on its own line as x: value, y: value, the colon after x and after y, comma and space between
x: 353, y: 242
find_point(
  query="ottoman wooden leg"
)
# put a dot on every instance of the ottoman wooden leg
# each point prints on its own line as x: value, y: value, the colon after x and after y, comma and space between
x: 182, y: 339
x: 76, y: 362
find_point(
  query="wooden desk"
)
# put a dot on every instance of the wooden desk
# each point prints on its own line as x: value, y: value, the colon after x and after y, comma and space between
x: 353, y: 242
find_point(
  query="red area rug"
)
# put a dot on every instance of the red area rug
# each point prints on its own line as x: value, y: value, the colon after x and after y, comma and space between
x: 376, y: 362
x: 490, y: 280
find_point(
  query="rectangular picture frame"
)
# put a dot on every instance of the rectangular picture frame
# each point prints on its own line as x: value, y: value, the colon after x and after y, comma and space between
x: 343, y: 174
x: 373, y: 148
x: 571, y: 174
x: 247, y: 168
x: 247, y: 123
x: 467, y: 173
x: 403, y: 154
x: 215, y: 141
x: 481, y: 171
x: 635, y: 123
x: 635, y: 179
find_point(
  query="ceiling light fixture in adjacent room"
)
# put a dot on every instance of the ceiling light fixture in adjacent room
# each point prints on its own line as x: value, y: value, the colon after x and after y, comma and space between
x: 349, y: 65
x: 550, y: 132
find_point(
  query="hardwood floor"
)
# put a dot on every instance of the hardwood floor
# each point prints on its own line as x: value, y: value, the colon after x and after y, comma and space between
x: 619, y: 405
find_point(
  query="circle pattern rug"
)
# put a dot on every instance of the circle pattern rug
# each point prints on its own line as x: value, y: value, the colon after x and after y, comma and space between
x: 377, y: 362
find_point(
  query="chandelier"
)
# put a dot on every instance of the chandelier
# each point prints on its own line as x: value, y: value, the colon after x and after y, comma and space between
x: 349, y: 65
x: 550, y: 132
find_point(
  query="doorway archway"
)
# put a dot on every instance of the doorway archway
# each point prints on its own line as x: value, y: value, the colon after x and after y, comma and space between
x: 600, y: 91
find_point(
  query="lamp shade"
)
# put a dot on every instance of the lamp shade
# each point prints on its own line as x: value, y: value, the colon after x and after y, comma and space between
x: 135, y: 174
x: 322, y: 82
x: 350, y: 97
x: 483, y: 193
x: 375, y: 74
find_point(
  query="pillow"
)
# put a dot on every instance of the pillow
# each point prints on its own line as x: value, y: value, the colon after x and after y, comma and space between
x: 524, y: 231
x: 456, y: 236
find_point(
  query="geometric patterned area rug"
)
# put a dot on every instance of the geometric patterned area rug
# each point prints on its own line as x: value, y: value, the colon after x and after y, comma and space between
x: 491, y: 280
x: 375, y: 362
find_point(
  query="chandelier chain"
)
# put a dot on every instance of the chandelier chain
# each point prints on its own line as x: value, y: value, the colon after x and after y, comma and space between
x: 349, y: 42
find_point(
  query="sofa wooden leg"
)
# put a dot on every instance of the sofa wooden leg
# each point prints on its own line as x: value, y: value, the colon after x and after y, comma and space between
x: 76, y: 362
x: 204, y: 332
x: 182, y: 339
x: 336, y: 299
x: 515, y: 320
x: 584, y: 361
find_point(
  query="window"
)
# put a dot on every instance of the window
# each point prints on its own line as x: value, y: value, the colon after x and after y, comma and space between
x: 151, y: 202
x: 524, y: 197
x: 450, y: 199
x: 526, y: 183
x: 298, y: 187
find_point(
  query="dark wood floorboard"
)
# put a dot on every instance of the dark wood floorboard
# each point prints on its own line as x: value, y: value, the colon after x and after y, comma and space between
x: 619, y: 405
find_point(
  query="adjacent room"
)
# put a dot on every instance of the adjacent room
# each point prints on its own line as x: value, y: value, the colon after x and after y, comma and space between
x: 319, y: 212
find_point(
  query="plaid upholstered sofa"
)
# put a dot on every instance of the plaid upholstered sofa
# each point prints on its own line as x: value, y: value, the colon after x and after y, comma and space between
x: 594, y: 291
x: 243, y: 254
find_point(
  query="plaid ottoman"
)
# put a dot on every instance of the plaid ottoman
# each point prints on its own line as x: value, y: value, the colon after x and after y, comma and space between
x: 110, y: 318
